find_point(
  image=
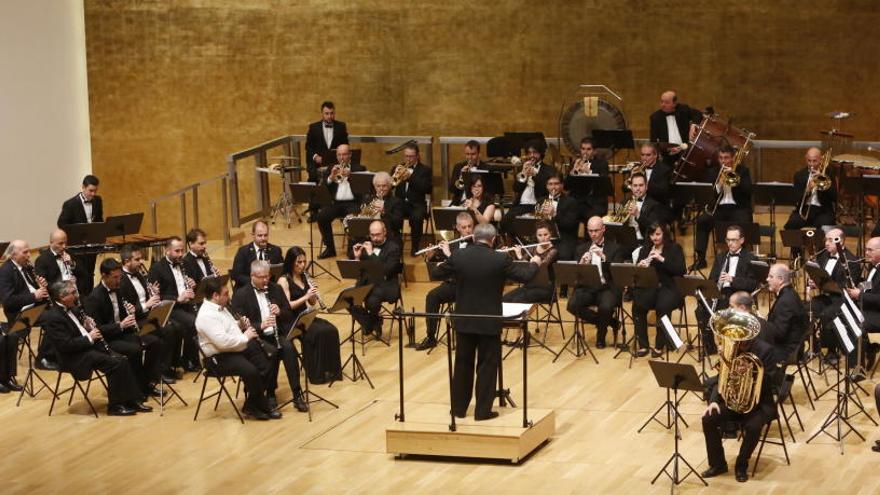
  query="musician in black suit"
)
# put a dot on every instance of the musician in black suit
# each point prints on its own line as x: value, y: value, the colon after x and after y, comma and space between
x: 196, y: 260
x: 644, y: 210
x: 324, y: 135
x: 20, y: 289
x: 445, y: 292
x: 480, y: 273
x: 734, y: 204
x: 732, y: 272
x: 85, y: 207
x: 674, y: 123
x: 176, y: 285
x: 564, y: 211
x: 868, y: 295
x: 589, y: 162
x: 385, y: 289
x: 601, y: 252
x: 413, y: 191
x: 787, y: 320
x: 659, y: 175
x: 259, y: 249
x: 81, y: 349
x: 822, y: 203
x: 345, y: 202
x: 266, y: 307
x: 388, y: 206
x: 116, y: 318
x: 533, y: 189
x: 471, y: 163
x: 55, y: 263
x: 667, y: 258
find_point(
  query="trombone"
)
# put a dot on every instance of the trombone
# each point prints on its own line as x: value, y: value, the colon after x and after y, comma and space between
x: 821, y: 182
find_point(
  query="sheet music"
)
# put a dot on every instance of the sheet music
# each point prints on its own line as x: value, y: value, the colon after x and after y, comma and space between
x: 511, y: 310
x: 854, y: 307
x: 844, y: 337
x: 851, y: 320
x: 671, y: 333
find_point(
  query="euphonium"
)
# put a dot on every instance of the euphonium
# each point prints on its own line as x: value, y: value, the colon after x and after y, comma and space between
x: 741, y: 372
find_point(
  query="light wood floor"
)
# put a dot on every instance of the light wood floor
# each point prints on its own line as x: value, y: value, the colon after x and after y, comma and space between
x: 596, y: 448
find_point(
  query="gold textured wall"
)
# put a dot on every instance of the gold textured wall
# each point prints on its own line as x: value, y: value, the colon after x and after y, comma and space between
x: 176, y: 85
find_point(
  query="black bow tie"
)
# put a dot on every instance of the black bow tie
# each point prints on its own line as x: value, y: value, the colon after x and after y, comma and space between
x: 58, y: 256
x: 175, y: 264
x: 734, y: 255
x: 261, y: 291
x: 87, y: 201
x: 328, y: 126
x: 833, y: 257
x: 640, y: 200
x: 600, y: 246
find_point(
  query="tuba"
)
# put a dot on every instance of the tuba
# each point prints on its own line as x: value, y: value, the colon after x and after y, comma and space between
x: 741, y: 372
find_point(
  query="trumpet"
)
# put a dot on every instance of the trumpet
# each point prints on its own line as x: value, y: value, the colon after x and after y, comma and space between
x: 340, y: 167
x: 400, y: 174
x: 317, y: 295
x: 527, y: 173
x: 459, y: 182
x: 581, y: 166
x: 821, y: 182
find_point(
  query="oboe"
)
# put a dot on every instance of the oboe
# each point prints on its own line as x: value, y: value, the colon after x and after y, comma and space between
x: 311, y: 284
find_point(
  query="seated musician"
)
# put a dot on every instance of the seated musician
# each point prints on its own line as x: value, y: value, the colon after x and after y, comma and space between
x: 732, y: 272
x: 265, y: 305
x: 674, y: 123
x: 231, y: 347
x: 85, y: 207
x: 260, y: 249
x: 588, y: 163
x: 134, y: 288
x: 734, y: 203
x: 445, y: 292
x: 659, y: 177
x: 387, y: 289
x: 414, y: 185
x: 642, y: 210
x: 176, y: 285
x: 601, y: 252
x: 470, y: 163
x: 562, y: 210
x: 196, y: 261
x: 116, y: 318
x: 344, y: 202
x: 20, y: 289
x: 826, y: 305
x: 531, y: 190
x: 320, y: 341
x: 868, y: 295
x: 480, y: 203
x: 384, y: 206
x: 80, y: 348
x: 817, y: 208
x: 667, y: 258
x: 533, y: 291
x: 787, y: 319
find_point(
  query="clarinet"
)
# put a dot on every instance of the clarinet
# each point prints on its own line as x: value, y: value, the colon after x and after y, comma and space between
x: 724, y: 269
x: 214, y: 271
x: 187, y: 279
x: 259, y: 339
x: 311, y: 284
x: 275, y: 327
x: 80, y: 313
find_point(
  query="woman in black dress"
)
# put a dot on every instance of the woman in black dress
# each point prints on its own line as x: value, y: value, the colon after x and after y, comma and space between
x: 320, y: 343
x: 478, y: 203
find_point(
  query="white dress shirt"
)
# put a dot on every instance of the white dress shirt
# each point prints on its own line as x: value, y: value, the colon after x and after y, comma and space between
x: 265, y: 312
x: 73, y: 318
x: 65, y: 270
x: 597, y: 261
x: 830, y: 264
x: 138, y: 287
x: 732, y: 263
x: 178, y: 278
x: 343, y: 190
x: 113, y: 301
x: 218, y: 330
x: 528, y: 194
x: 674, y: 133
x: 328, y: 134
x: 87, y: 206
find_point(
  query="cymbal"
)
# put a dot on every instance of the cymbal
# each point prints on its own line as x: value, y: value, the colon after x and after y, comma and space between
x: 862, y: 161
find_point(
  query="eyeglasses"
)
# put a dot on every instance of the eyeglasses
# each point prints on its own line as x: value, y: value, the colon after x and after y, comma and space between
x: 733, y: 239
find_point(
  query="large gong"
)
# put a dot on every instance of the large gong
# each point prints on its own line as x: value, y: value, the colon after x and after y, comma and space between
x: 576, y: 124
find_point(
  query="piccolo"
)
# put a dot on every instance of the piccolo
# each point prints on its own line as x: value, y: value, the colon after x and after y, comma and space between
x: 526, y: 247
x: 437, y: 246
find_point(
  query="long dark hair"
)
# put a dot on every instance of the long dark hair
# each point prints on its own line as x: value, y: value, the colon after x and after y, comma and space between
x: 664, y: 227
x: 488, y: 198
x: 290, y: 258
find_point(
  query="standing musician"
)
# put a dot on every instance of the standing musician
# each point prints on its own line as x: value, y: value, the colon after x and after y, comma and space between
x: 81, y: 350
x: 55, y: 263
x: 176, y: 285
x: 480, y: 273
x: 471, y: 163
x: 261, y: 249
x: 20, y: 289
x: 586, y: 164
x: 116, y: 318
x: 231, y: 347
x: 85, y: 207
x: 821, y: 203
x: 562, y: 210
x: 674, y: 123
x: 414, y: 180
x: 196, y: 261
x: 445, y: 292
x: 732, y: 271
x: 530, y: 185
x: 265, y: 305
x: 387, y: 289
x: 734, y: 204
x: 344, y: 201
x: 667, y: 258
x: 480, y: 203
x: 320, y: 341
x: 868, y: 294
x: 601, y: 252
x: 787, y: 320
x: 323, y: 135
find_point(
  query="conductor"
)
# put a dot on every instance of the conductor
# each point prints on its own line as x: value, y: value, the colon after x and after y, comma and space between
x: 481, y: 273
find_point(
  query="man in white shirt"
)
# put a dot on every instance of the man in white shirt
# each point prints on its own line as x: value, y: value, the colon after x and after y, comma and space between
x: 344, y: 201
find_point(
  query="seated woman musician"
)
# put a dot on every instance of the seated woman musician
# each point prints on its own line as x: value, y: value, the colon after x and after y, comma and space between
x: 538, y: 290
x: 479, y: 203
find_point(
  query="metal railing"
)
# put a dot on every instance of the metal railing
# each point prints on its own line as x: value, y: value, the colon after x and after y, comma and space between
x: 193, y: 190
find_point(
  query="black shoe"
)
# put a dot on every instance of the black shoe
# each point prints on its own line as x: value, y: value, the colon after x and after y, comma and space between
x: 327, y: 253
x: 698, y: 265
x: 141, y: 407
x: 655, y: 353
x: 713, y: 472
x: 168, y: 380
x: 377, y: 330
x: 4, y: 389
x: 563, y: 291
x: 152, y: 391
x: 45, y: 364
x: 299, y: 404
x: 273, y: 402
x: 875, y: 448
x: 120, y: 410
x: 258, y: 415
x: 459, y: 415
x: 427, y: 343
x: 489, y: 415
x: 642, y: 352
x: 192, y: 367
x: 274, y: 415
x: 742, y: 474
x: 13, y: 385
x: 600, y: 344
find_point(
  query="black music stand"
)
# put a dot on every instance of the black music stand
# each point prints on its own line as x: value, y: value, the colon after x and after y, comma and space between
x: 594, y: 185
x: 358, y: 229
x: 361, y: 183
x: 123, y: 225
x: 699, y: 288
x: 519, y: 140
x: 299, y: 327
x: 671, y: 410
x: 571, y: 273
x: 493, y: 182
x: 347, y: 299
x: 623, y: 235
x: 772, y: 194
x: 821, y: 279
x: 315, y: 195
x: 613, y: 139
x: 629, y: 276
x: 675, y: 377
x: 156, y: 319
x: 526, y: 226
x: 796, y: 239
x: 444, y: 217
x: 84, y: 234
x: 22, y: 326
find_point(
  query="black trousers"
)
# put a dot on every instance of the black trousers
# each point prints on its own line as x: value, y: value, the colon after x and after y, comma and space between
x: 825, y: 308
x: 480, y: 352
x: 183, y: 320
x: 253, y: 368
x: 144, y: 355
x: 85, y: 284
x: 706, y: 334
x: 751, y: 423
x: 818, y: 217
x: 511, y: 213
x: 289, y: 355
x: 724, y: 213
x: 442, y: 294
x: 328, y: 213
x: 170, y: 337
x: 605, y: 299
x: 416, y: 213
x: 122, y: 386
x: 8, y: 356
x: 368, y: 316
x: 533, y: 294
x: 663, y: 301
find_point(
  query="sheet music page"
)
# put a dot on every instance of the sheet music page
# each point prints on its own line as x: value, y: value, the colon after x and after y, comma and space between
x: 671, y: 333
x: 844, y: 337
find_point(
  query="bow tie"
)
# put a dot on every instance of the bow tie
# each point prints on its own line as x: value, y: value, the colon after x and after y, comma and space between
x: 175, y: 264
x: 261, y: 291
x: 328, y: 126
x: 733, y: 255
x: 87, y: 201
x: 640, y: 200
x: 58, y: 256
x: 600, y: 246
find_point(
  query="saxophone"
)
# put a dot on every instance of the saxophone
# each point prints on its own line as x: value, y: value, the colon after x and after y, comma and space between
x: 741, y: 372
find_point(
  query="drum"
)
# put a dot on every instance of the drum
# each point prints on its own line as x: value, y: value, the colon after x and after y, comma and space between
x: 713, y: 133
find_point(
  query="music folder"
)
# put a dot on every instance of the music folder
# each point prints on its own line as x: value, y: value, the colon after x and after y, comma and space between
x: 26, y: 319
x: 302, y: 323
x: 157, y: 317
x: 349, y: 297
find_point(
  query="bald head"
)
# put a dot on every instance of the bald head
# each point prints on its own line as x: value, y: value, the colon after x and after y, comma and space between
x: 58, y: 241
x: 18, y: 251
x: 813, y: 157
x: 377, y: 232
x: 778, y: 277
x: 872, y: 250
x: 596, y: 229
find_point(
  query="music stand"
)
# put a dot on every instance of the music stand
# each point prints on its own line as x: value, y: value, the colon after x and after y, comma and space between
x: 361, y: 183
x: 821, y: 279
x: 772, y: 194
x: 593, y: 185
x: 799, y: 238
x: 84, y: 234
x: 444, y: 217
x: 156, y: 319
x: 628, y: 275
x: 525, y: 227
x: 21, y: 326
x: 698, y: 287
x: 318, y: 196
x: 675, y: 377
x: 493, y: 181
x: 573, y: 274
x: 123, y: 225
x: 613, y: 139
x: 347, y: 299
x: 519, y: 140
x: 623, y: 235
x: 359, y: 227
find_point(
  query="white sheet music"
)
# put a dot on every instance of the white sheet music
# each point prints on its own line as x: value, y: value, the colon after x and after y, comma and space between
x: 844, y: 337
x: 851, y: 320
x: 671, y: 333
x: 854, y: 307
x: 510, y: 310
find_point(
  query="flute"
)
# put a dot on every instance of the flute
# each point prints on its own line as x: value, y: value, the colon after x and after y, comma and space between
x: 437, y: 246
x: 523, y: 246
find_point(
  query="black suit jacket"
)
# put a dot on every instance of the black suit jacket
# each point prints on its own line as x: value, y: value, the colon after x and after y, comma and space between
x: 838, y: 274
x: 660, y: 182
x: 99, y: 306
x: 870, y: 298
x: 161, y: 272
x: 315, y: 142
x: 241, y: 265
x: 540, y: 183
x: 828, y: 198
x: 651, y: 212
x: 684, y: 117
x: 416, y: 187
x: 742, y: 194
x: 743, y: 279
x: 72, y: 211
x: 614, y: 253
x: 786, y: 323
x: 480, y: 273
x: 191, y: 265
x: 70, y: 345
x: 333, y: 186
x: 392, y: 214
x: 567, y: 219
x: 14, y: 292
x: 389, y: 255
x: 244, y: 302
x: 46, y: 266
x: 129, y: 293
x: 667, y: 270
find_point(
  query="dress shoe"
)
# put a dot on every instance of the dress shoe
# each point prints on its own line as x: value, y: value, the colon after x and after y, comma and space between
x: 273, y: 402
x: 168, y: 380
x: 642, y: 352
x: 152, y: 391
x: 742, y: 474
x: 192, y: 367
x: 713, y: 471
x: 876, y: 448
x: 13, y: 385
x: 600, y: 344
x: 45, y: 364
x: 4, y: 389
x: 489, y: 415
x: 655, y: 353
x: 299, y: 404
x: 275, y: 415
x: 427, y: 343
x: 254, y: 414
x: 141, y: 407
x: 699, y: 264
x: 120, y: 410
x: 327, y: 253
